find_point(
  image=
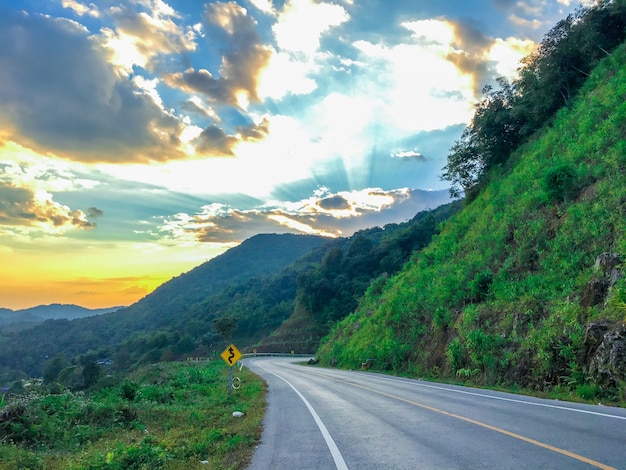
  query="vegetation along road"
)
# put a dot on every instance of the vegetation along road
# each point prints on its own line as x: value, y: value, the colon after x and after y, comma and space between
x: 329, y: 418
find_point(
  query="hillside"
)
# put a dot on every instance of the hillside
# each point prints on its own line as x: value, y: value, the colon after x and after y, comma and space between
x: 18, y: 319
x: 331, y: 288
x: 258, y: 257
x: 243, y: 296
x: 161, y: 322
x: 525, y: 286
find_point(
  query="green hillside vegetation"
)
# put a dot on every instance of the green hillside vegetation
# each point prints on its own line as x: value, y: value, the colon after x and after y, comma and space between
x: 524, y: 287
x: 166, y: 324
x: 330, y: 289
x: 168, y: 415
x: 241, y: 296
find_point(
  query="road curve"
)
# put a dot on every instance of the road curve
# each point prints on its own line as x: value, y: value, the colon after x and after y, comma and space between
x: 321, y: 418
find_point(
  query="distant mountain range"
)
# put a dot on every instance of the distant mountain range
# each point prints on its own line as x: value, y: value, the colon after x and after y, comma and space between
x: 29, y: 316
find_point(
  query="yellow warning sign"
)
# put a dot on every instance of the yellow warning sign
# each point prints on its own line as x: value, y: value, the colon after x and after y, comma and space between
x: 231, y: 355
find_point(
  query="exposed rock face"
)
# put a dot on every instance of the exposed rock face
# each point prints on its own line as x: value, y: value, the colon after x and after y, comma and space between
x: 606, y: 273
x: 608, y: 364
x: 605, y: 343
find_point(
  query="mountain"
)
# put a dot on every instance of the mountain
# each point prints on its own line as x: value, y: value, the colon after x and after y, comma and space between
x: 26, y: 317
x: 169, y: 317
x: 242, y: 296
x: 258, y: 257
x: 331, y: 288
x: 525, y: 286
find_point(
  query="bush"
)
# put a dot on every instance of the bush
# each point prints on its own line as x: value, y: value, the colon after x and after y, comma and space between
x: 561, y: 183
x: 454, y: 353
x: 128, y: 390
x: 479, y: 287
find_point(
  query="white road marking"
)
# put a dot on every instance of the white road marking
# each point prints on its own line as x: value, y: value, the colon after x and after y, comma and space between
x: 332, y: 447
x: 483, y: 395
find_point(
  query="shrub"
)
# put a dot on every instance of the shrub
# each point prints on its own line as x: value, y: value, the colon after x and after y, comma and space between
x: 128, y: 390
x: 561, y: 183
x: 479, y: 287
x: 454, y: 353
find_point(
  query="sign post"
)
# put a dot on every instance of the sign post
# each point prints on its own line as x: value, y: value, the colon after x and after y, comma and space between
x: 230, y: 355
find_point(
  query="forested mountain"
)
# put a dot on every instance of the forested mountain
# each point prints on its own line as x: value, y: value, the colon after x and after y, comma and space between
x: 160, y: 321
x: 243, y: 296
x: 23, y: 318
x: 525, y: 286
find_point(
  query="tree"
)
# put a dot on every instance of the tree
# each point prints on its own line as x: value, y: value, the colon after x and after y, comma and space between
x: 91, y: 374
x: 487, y: 141
x: 53, y: 366
x: 225, y: 326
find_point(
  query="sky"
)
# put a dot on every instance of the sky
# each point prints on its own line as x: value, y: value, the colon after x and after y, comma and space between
x: 141, y: 138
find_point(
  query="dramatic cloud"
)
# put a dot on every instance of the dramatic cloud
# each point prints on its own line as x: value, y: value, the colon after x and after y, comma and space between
x: 324, y: 213
x: 470, y: 54
x: 24, y: 207
x: 142, y: 36
x: 59, y: 95
x: 302, y: 23
x: 243, y: 60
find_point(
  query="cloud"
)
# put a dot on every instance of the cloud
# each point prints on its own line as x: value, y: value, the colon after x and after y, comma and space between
x: 25, y: 207
x: 470, y: 52
x: 60, y: 95
x: 336, y: 202
x: 213, y: 141
x: 409, y: 155
x: 324, y: 213
x: 526, y: 23
x: 94, y: 212
x: 302, y: 23
x: 140, y: 37
x: 242, y: 62
x: 81, y: 9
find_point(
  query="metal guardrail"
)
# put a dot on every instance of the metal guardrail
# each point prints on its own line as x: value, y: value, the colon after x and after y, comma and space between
x: 270, y: 354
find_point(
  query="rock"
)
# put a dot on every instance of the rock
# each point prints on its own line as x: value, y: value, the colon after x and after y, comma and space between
x: 606, y: 262
x: 606, y: 273
x: 609, y: 264
x: 608, y: 364
x: 594, y: 334
x: 595, y: 292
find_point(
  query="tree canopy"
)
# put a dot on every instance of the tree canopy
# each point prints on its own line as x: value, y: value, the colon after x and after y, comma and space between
x: 548, y: 80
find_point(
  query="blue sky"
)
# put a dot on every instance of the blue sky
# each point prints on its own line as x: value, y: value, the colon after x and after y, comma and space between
x: 139, y: 138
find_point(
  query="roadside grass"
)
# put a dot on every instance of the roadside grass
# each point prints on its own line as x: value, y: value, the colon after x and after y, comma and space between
x: 163, y: 416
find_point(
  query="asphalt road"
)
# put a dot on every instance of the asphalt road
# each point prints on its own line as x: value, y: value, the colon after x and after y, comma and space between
x: 321, y: 419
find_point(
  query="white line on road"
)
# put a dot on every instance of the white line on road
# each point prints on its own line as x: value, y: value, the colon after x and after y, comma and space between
x: 332, y: 447
x: 493, y: 397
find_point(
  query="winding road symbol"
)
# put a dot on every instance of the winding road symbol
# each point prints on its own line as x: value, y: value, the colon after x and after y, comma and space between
x: 231, y: 355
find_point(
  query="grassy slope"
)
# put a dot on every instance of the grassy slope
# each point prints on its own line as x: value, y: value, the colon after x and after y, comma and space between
x: 496, y: 297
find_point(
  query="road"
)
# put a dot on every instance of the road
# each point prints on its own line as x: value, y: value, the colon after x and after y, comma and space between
x: 320, y: 418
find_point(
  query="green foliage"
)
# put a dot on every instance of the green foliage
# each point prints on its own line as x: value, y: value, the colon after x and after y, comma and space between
x: 479, y: 287
x: 549, y: 79
x: 561, y: 183
x: 455, y: 353
x: 500, y: 287
x: 132, y: 426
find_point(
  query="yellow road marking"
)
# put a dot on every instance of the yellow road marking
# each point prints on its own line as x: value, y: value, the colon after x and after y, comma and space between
x: 488, y: 426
